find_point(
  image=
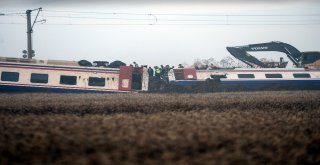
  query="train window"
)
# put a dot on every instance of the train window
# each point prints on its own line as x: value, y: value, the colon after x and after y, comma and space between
x: 68, y: 80
x: 273, y: 75
x: 189, y: 76
x: 10, y: 76
x: 246, y: 76
x: 95, y: 81
x: 301, y: 75
x: 125, y: 83
x: 39, y: 78
x: 178, y: 74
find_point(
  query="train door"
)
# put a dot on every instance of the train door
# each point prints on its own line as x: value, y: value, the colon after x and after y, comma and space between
x: 125, y: 78
x: 137, y: 78
x: 140, y: 79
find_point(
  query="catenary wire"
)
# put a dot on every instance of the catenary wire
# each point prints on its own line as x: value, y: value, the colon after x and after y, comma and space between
x: 183, y: 14
x: 162, y: 24
x: 227, y: 19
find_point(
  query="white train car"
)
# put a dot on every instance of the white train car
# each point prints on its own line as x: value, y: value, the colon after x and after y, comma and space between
x: 250, y: 79
x: 30, y: 75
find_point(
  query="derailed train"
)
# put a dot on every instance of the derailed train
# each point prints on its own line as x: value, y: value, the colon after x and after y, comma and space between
x: 31, y: 75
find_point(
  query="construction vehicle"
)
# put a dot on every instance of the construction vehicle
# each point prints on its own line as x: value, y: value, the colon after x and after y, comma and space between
x: 299, y: 59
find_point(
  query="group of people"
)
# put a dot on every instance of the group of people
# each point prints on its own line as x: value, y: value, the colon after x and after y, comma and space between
x: 158, y: 72
x: 135, y: 65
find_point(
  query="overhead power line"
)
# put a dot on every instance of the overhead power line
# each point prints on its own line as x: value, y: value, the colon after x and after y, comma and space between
x: 166, y: 24
x: 76, y: 17
x: 179, y: 20
x: 87, y: 18
x: 169, y: 14
x: 92, y: 12
x: 182, y: 14
x: 144, y: 24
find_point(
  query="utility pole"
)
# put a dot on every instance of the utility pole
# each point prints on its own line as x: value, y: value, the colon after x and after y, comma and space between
x: 29, y: 53
x: 29, y: 35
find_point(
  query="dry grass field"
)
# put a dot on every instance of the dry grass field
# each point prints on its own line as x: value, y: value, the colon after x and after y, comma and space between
x: 218, y: 128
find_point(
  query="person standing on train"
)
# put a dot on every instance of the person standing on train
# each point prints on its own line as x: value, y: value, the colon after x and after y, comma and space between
x: 135, y: 64
x: 157, y: 71
x: 150, y: 72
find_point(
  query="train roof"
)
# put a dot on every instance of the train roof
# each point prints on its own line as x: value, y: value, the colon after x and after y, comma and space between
x: 49, y: 63
x: 37, y: 61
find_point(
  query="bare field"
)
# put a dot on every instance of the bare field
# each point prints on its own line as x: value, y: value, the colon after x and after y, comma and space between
x: 218, y: 128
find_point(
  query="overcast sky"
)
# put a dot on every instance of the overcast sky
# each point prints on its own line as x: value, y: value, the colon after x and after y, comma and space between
x: 152, y: 32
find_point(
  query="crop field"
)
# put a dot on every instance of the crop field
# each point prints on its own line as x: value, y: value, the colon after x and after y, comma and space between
x: 216, y: 128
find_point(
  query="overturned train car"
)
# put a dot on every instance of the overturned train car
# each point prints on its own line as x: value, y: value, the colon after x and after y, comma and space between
x: 244, y: 79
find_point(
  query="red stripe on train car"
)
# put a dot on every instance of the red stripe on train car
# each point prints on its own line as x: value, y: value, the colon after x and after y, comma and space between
x: 125, y: 78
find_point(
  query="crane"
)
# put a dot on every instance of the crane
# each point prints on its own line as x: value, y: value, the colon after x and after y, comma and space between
x: 299, y: 59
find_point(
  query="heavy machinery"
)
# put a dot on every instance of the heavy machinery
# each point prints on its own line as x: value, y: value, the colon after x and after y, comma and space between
x: 299, y: 59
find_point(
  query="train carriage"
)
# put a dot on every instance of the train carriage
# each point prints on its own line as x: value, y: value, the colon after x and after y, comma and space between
x: 250, y: 78
x: 30, y: 75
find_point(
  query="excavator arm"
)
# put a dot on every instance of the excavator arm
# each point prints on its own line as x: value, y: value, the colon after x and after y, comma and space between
x: 241, y: 53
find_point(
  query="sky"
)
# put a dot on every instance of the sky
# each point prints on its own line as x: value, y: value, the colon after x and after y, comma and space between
x: 154, y: 32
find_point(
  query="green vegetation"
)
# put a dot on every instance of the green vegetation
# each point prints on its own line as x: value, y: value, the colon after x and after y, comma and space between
x: 218, y: 128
